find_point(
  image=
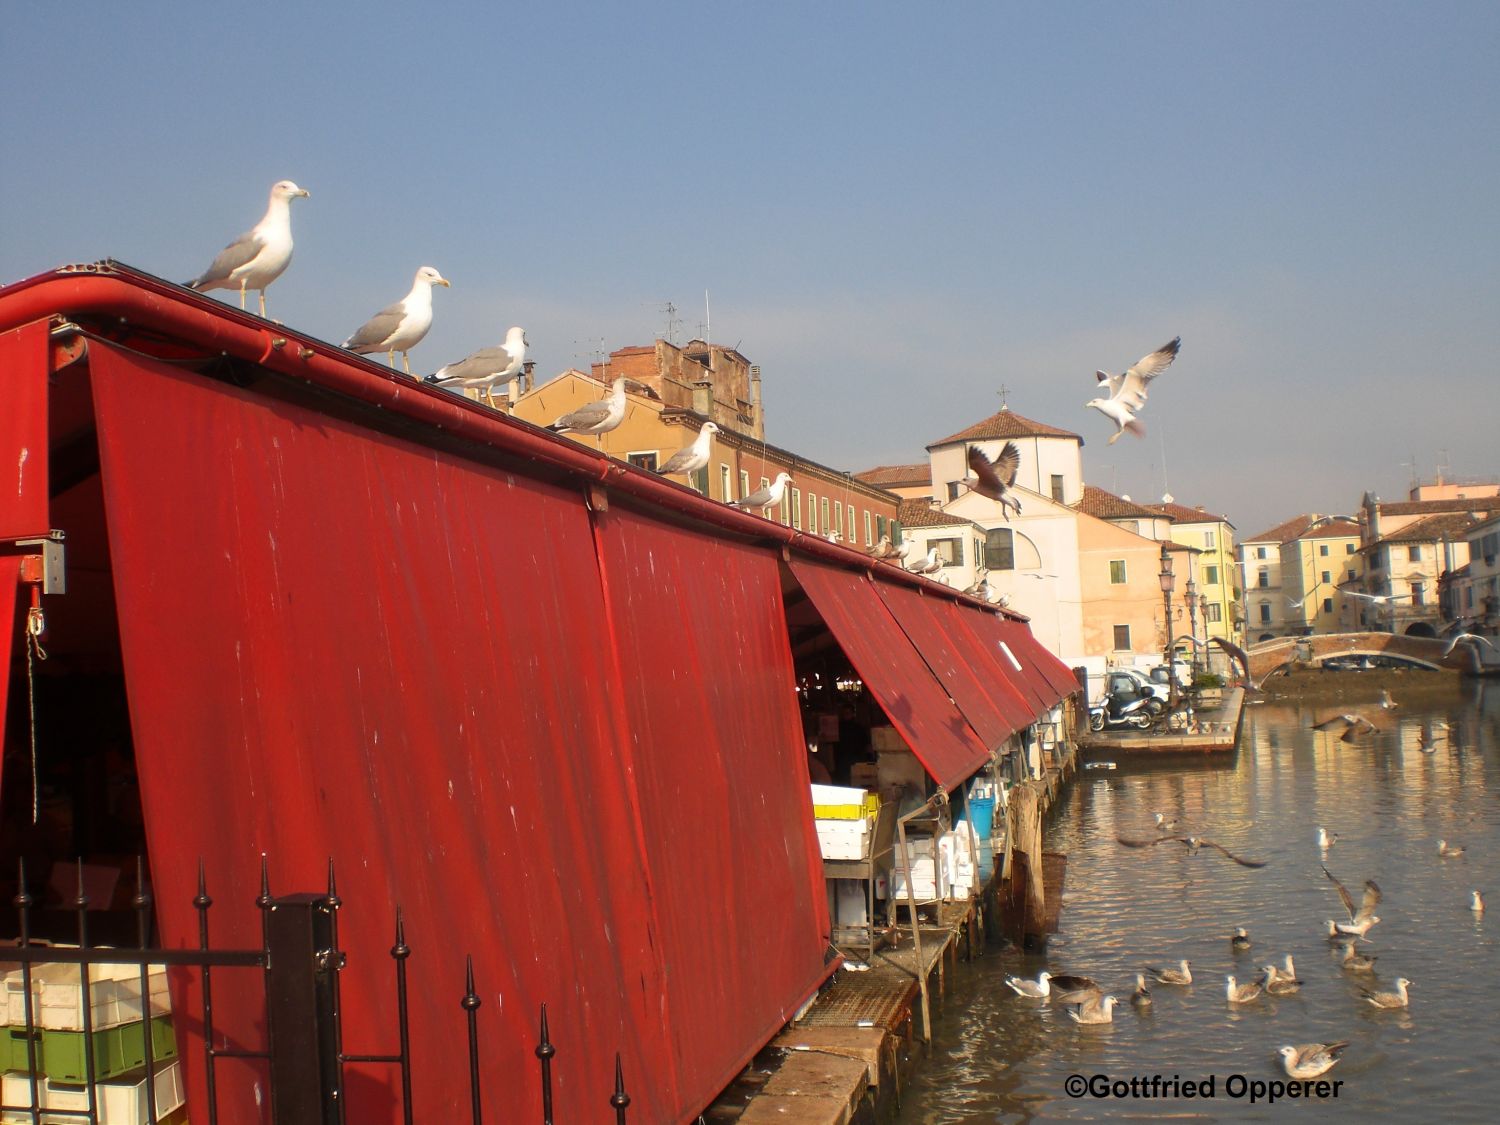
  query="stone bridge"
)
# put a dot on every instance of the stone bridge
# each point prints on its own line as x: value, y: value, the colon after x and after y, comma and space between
x: 1268, y: 656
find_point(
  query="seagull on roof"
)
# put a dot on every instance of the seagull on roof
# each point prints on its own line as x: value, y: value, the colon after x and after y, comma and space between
x: 257, y: 257
x: 597, y: 418
x: 768, y: 497
x: 692, y: 456
x: 927, y: 564
x: 1360, y: 918
x: 1352, y: 725
x: 994, y: 479
x: 487, y: 368
x: 1310, y: 1060
x: 882, y: 548
x: 400, y: 327
x: 1193, y: 844
x: 1127, y: 392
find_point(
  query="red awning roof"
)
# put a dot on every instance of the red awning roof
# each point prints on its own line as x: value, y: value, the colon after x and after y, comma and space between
x: 982, y: 690
x: 918, y: 705
x: 1057, y: 676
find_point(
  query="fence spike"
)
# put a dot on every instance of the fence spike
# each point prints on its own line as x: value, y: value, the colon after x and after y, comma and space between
x: 142, y: 897
x: 621, y: 1099
x: 82, y: 899
x: 545, y: 1052
x: 400, y: 951
x: 264, y: 900
x: 334, y: 902
x: 201, y: 899
x: 22, y: 899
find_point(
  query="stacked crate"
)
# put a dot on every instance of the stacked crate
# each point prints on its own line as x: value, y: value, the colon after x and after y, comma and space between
x: 119, y: 1021
x: 845, y: 817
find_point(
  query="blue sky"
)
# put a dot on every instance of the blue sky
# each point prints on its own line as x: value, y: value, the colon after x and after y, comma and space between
x: 895, y: 210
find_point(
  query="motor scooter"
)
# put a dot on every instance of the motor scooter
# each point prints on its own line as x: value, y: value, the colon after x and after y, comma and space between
x: 1112, y: 713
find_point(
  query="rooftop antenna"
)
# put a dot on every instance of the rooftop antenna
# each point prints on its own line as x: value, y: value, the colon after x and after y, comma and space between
x: 672, y: 321
x: 1412, y: 465
x: 708, y: 317
x: 594, y: 354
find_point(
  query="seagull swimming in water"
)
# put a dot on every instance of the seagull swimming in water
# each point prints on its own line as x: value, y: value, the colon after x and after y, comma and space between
x: 1102, y: 1012
x: 1450, y: 851
x: 260, y: 255
x: 1356, y: 962
x: 1386, y: 702
x: 1193, y: 843
x: 1038, y: 989
x: 1241, y: 993
x: 1141, y: 997
x: 1277, y: 983
x: 1326, y: 839
x: 1068, y: 989
x: 1127, y: 392
x: 1309, y: 1060
x: 1182, y: 975
x: 1240, y: 941
x: 1361, y: 919
x: 1476, y: 903
x: 1396, y: 999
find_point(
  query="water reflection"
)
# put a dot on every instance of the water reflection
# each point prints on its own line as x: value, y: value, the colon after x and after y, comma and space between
x: 1002, y: 1058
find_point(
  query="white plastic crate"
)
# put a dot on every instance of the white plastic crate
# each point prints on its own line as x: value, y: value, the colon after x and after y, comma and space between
x: 57, y: 996
x: 121, y: 1102
x: 843, y: 839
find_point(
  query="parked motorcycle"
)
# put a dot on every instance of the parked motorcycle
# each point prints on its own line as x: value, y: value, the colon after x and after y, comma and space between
x: 1111, y: 712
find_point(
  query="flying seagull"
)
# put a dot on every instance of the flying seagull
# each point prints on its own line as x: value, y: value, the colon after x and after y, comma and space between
x: 1361, y: 919
x: 1473, y: 640
x: 1127, y: 392
x: 400, y: 327
x: 693, y: 456
x: 1181, y: 975
x: 767, y: 497
x: 1352, y: 725
x: 595, y: 418
x: 487, y: 368
x: 1038, y: 989
x: 257, y: 257
x: 1239, y: 656
x: 1067, y: 989
x: 1309, y: 1060
x: 1193, y: 844
x: 1396, y: 999
x: 994, y: 479
x: 1378, y: 599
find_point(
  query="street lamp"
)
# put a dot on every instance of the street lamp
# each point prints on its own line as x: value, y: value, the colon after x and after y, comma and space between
x: 1190, y: 595
x: 1167, y: 584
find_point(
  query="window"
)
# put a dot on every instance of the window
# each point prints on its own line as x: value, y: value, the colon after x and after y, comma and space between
x: 999, y: 549
x: 787, y: 508
x: 642, y: 460
x: 812, y: 513
x: 869, y: 528
x: 1117, y: 572
x: 1210, y: 576
x: 745, y: 483
x: 1323, y: 549
x: 1122, y: 638
x: 1351, y: 576
x: 1348, y: 548
x: 853, y: 536
x: 838, y: 517
x: 1057, y: 487
x: 1418, y: 593
x: 1414, y: 553
x: 1260, y: 552
x: 1327, y: 576
x: 950, y: 551
x: 1265, y: 613
x: 1263, y: 578
x: 953, y: 490
x: 725, y: 485
x: 797, y: 507
x: 699, y: 481
x: 823, y: 525
x: 1327, y: 605
x: 1215, y: 612
x: 1208, y: 539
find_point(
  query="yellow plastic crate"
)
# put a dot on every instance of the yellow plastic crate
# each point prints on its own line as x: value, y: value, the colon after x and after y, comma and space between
x: 867, y: 810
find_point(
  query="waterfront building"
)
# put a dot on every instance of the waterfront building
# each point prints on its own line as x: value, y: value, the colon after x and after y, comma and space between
x: 1215, y: 568
x: 1471, y: 597
x: 1293, y: 573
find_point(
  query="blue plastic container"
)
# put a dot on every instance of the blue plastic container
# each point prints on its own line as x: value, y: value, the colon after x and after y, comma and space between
x: 982, y: 810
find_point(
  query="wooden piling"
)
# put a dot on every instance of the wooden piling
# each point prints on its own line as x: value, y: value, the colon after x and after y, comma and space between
x: 1026, y: 917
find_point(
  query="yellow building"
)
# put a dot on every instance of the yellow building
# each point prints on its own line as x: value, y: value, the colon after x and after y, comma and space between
x: 1214, y: 570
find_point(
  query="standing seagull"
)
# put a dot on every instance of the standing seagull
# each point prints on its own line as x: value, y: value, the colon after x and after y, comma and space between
x: 767, y: 497
x: 595, y: 418
x: 400, y: 327
x: 1127, y: 392
x: 487, y: 368
x: 995, y: 479
x: 257, y: 257
x: 693, y: 456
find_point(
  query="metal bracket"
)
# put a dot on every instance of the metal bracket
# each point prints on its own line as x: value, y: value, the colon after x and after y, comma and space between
x: 47, y: 568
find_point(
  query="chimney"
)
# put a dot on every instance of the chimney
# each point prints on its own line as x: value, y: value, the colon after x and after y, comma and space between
x: 755, y: 412
x: 703, y: 398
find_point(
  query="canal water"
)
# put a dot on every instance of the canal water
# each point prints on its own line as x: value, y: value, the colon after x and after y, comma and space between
x: 998, y: 1057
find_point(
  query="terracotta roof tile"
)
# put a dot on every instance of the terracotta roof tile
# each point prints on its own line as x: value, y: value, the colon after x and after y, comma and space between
x: 1181, y: 513
x: 1006, y: 424
x: 1432, y: 507
x: 886, y: 475
x: 1107, y: 506
x: 918, y: 513
x: 1283, y: 532
x: 1450, y: 525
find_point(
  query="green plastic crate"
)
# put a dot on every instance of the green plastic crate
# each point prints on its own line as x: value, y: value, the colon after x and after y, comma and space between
x: 60, y: 1054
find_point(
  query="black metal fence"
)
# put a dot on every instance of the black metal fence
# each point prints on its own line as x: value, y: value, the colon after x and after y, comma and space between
x: 300, y: 962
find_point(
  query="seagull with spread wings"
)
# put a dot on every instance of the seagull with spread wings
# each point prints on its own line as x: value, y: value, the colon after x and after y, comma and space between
x: 1472, y: 640
x: 995, y: 479
x: 1377, y: 599
x: 1360, y: 918
x: 1353, y: 726
x: 1127, y: 392
x: 1193, y: 843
